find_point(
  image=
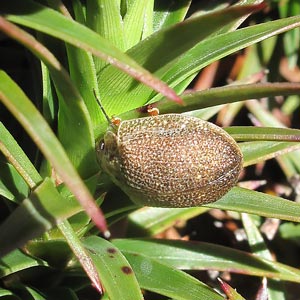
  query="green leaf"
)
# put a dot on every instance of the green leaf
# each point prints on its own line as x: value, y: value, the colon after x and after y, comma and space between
x: 134, y: 21
x: 13, y: 185
x: 194, y: 255
x: 82, y: 255
x: 254, y: 152
x: 41, y: 18
x: 252, y: 133
x: 72, y: 113
x: 217, y: 47
x: 56, y: 252
x: 290, y: 231
x: 165, y: 280
x: 233, y: 93
x: 18, y: 261
x: 291, y: 39
x: 221, y: 95
x: 43, y: 209
x: 169, y: 13
x: 254, y: 237
x: 35, y: 295
x: 243, y: 200
x: 275, y: 288
x: 84, y: 74
x: 149, y: 221
x: 104, y: 17
x: 157, y: 53
x: 14, y: 153
x: 290, y: 162
x: 5, y: 192
x: 230, y: 292
x: 148, y: 19
x: 22, y: 108
x: 115, y: 272
x: 8, y: 295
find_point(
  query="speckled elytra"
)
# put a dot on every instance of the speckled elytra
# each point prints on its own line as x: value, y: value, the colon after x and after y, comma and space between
x: 170, y: 160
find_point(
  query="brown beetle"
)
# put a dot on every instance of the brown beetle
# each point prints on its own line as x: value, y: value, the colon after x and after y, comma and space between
x: 170, y: 160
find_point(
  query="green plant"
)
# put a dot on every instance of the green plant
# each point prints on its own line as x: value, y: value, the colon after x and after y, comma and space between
x: 108, y: 48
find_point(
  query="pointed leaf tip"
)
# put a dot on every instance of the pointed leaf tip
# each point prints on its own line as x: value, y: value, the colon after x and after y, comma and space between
x: 224, y: 286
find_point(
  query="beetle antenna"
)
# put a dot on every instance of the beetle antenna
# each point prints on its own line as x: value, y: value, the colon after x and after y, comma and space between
x: 102, y: 108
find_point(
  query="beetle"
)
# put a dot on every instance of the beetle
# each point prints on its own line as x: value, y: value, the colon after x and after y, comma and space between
x: 170, y: 160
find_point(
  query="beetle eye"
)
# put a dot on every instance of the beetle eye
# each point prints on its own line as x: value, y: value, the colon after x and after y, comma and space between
x: 102, y: 145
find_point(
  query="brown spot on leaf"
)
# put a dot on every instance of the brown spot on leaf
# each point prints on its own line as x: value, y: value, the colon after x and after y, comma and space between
x: 111, y: 250
x: 127, y: 270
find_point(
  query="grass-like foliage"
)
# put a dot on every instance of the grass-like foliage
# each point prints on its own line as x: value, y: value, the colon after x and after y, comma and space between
x: 58, y: 207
